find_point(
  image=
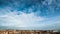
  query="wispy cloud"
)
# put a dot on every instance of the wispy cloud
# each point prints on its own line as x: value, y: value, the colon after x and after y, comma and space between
x: 19, y: 18
x: 30, y: 13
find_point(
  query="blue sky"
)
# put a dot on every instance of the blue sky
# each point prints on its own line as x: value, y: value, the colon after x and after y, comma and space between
x: 30, y: 13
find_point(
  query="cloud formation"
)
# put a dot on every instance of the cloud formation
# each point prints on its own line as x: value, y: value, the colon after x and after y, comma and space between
x: 19, y: 18
x: 30, y: 13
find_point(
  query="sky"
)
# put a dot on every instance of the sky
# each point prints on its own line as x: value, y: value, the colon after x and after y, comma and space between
x: 43, y: 14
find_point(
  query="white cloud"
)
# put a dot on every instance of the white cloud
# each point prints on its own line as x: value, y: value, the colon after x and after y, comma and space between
x: 21, y: 20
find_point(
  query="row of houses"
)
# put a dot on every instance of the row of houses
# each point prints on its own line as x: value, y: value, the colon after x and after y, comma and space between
x: 29, y: 32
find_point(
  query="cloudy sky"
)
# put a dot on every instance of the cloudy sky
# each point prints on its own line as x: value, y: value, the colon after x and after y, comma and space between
x: 44, y: 14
